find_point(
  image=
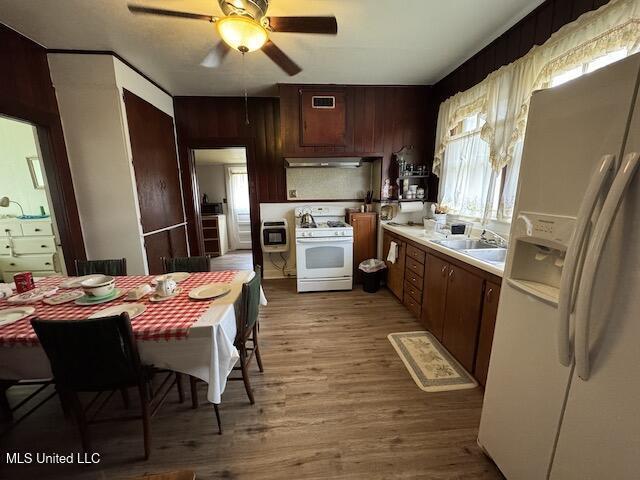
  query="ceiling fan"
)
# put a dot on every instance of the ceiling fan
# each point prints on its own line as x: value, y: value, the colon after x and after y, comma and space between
x: 246, y: 28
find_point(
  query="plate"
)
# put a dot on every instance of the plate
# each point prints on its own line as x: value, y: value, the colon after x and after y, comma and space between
x: 157, y: 298
x: 33, y: 295
x: 84, y: 300
x: 11, y: 315
x: 175, y: 276
x: 74, y: 282
x: 212, y: 290
x: 133, y: 309
x: 64, y: 297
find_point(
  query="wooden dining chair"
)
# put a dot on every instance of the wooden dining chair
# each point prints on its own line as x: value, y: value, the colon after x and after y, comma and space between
x: 115, y: 267
x: 186, y: 264
x: 99, y: 356
x: 247, y: 329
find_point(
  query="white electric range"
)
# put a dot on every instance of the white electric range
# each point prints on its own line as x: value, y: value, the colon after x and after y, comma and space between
x: 324, y: 250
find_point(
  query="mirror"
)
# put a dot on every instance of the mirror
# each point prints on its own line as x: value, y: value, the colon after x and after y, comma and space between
x: 35, y: 168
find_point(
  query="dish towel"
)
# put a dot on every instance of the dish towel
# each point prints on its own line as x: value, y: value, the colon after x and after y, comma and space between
x: 392, y: 256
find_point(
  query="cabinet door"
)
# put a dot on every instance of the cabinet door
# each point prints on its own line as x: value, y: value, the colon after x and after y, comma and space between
x: 434, y: 294
x: 487, y: 325
x: 178, y: 241
x: 155, y: 162
x: 462, y: 315
x: 157, y: 245
x: 395, y: 271
x: 364, y: 238
x: 323, y: 119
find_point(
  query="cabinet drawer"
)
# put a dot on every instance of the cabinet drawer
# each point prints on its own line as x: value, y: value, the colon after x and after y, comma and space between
x: 24, y: 245
x: 413, y: 306
x: 210, y: 222
x: 5, y: 246
x: 413, y: 291
x: 415, y: 253
x: 27, y: 263
x: 414, y: 279
x: 37, y: 228
x: 10, y: 228
x: 415, y: 266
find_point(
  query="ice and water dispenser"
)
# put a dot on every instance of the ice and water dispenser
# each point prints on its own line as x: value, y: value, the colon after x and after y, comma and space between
x: 539, y: 245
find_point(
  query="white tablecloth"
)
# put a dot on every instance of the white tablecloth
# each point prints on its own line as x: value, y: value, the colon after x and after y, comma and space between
x: 207, y: 353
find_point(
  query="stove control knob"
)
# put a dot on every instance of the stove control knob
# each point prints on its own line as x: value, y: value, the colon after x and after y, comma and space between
x: 337, y: 233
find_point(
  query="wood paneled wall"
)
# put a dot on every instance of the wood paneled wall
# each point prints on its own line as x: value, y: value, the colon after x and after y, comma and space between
x: 203, y: 122
x: 380, y: 121
x: 26, y: 93
x: 532, y: 30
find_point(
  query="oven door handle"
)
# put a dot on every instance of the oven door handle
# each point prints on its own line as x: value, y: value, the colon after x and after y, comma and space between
x: 325, y: 240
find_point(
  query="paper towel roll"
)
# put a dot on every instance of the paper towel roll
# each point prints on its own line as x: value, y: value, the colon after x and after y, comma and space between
x: 408, y: 207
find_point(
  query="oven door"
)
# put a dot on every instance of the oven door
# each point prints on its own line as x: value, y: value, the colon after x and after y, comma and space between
x: 324, y: 257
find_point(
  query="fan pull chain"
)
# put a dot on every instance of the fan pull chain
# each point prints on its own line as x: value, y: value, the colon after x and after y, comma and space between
x: 244, y: 86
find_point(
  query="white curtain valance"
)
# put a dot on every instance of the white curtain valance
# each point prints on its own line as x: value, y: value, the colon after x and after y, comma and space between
x: 503, y: 97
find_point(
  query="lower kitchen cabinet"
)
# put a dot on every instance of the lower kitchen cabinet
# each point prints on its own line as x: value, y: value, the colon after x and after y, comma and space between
x: 456, y: 302
x: 365, y: 238
x: 434, y: 294
x: 166, y: 243
x: 395, y: 271
x: 487, y: 326
x: 462, y: 315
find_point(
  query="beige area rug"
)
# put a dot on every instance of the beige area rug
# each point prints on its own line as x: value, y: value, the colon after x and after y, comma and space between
x: 431, y: 366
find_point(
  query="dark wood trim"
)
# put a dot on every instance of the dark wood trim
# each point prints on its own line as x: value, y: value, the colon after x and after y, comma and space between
x: 27, y: 94
x: 113, y: 54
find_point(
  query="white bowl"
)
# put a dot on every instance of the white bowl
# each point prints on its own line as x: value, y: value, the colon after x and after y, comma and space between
x: 98, y: 286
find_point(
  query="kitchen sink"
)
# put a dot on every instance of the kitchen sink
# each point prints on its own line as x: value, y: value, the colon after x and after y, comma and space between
x: 491, y: 255
x: 464, y: 244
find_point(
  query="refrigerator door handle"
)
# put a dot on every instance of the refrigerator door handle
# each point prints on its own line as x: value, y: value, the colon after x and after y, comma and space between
x: 600, y: 234
x: 573, y: 256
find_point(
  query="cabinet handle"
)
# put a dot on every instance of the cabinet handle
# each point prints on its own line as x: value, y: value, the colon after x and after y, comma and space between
x: 489, y: 292
x: 43, y: 246
x: 444, y: 270
x: 37, y: 230
x: 451, y: 275
x: 47, y: 263
x: 12, y: 264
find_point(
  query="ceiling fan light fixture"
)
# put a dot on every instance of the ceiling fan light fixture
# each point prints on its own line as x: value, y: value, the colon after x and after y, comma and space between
x: 242, y: 33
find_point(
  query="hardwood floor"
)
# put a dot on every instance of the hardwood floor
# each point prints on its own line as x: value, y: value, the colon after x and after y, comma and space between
x: 334, y: 402
x: 234, y: 260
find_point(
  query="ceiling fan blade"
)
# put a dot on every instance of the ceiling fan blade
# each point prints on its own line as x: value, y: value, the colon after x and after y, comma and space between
x: 322, y: 25
x: 170, y: 13
x: 280, y: 58
x: 215, y: 57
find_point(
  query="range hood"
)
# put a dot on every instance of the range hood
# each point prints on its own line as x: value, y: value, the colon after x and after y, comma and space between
x: 328, y: 162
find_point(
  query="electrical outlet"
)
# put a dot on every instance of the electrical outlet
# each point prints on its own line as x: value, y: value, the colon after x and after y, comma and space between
x: 293, y: 193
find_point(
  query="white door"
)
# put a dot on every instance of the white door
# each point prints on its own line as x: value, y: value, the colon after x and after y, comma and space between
x: 600, y: 433
x: 570, y: 128
x: 239, y: 222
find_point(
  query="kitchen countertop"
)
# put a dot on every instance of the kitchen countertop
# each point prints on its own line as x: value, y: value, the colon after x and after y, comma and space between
x: 417, y: 234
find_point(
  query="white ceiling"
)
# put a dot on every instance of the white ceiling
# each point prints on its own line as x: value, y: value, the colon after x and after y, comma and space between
x: 220, y: 156
x: 378, y: 42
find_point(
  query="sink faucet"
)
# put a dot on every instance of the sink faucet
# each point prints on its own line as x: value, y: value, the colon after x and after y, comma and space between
x: 495, y: 239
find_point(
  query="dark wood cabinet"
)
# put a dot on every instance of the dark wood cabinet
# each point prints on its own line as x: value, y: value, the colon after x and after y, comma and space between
x: 462, y: 315
x: 167, y: 243
x: 155, y: 162
x: 395, y: 271
x: 487, y: 326
x: 365, y: 238
x: 323, y: 118
x: 435, y: 294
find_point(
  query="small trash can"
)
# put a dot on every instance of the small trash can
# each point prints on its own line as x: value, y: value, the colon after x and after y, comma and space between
x: 371, y: 272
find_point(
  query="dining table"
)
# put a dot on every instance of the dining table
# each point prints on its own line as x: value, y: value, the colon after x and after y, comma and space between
x: 193, y: 337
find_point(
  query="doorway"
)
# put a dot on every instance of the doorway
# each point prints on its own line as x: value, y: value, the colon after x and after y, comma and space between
x: 223, y: 187
x: 29, y: 237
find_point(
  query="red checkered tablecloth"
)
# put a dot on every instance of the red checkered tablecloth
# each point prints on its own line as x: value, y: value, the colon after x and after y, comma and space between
x: 166, y: 320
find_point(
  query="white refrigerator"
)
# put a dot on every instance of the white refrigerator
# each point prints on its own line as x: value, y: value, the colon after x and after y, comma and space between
x: 562, y: 399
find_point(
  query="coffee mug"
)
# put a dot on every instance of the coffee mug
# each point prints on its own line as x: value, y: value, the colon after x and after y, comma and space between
x: 166, y: 287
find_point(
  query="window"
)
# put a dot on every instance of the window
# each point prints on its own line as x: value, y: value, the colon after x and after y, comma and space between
x: 470, y: 187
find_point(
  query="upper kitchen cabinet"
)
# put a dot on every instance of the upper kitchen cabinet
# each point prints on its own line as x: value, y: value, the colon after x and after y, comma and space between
x: 371, y: 121
x: 323, y: 118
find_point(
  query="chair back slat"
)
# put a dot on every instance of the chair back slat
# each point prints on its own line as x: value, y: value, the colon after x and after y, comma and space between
x: 91, y: 354
x: 249, y: 307
x: 186, y: 264
x: 115, y: 267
